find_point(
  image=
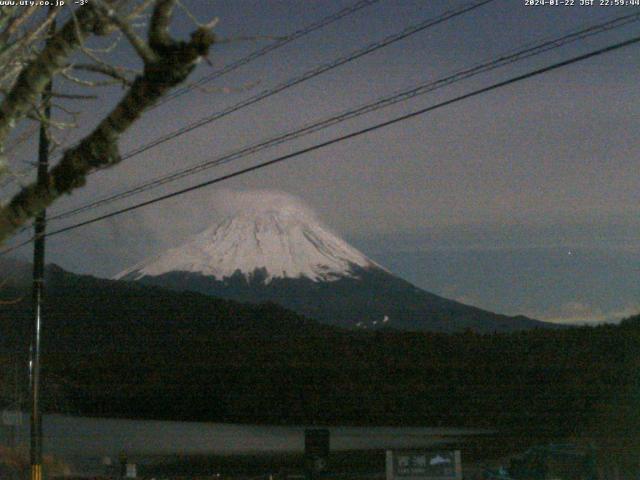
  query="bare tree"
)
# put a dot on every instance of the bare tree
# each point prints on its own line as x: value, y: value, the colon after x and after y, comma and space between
x: 32, y: 54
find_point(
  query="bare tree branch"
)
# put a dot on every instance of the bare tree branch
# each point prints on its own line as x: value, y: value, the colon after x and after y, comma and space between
x: 35, y: 76
x: 159, y: 36
x: 174, y: 61
x: 15, y: 23
x: 116, y: 73
x: 21, y: 139
x: 71, y: 96
x: 13, y: 301
x: 13, y: 53
x: 139, y: 10
x: 144, y: 51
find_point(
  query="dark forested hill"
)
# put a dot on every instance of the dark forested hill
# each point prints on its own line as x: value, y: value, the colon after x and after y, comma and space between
x: 371, y: 299
x: 121, y: 349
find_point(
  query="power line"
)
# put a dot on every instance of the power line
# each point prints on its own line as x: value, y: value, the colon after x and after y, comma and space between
x: 269, y: 48
x: 341, y: 138
x: 421, y: 89
x: 372, y: 47
x: 323, y: 22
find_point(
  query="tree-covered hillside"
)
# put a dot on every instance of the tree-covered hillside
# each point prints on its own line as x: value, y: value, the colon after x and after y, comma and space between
x: 118, y: 349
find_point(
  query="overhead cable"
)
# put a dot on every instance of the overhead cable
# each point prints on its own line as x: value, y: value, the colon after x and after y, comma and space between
x: 309, y: 74
x: 269, y: 48
x: 323, y: 22
x: 421, y: 89
x: 340, y: 138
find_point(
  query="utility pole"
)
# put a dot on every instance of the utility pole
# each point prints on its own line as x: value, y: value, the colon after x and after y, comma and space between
x: 38, y: 293
x: 38, y: 289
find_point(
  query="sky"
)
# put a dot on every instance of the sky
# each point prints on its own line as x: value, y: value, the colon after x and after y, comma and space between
x: 520, y: 200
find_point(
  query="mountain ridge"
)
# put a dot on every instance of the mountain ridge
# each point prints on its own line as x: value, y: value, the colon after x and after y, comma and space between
x: 287, y: 243
x: 371, y: 299
x: 128, y: 350
x: 282, y: 253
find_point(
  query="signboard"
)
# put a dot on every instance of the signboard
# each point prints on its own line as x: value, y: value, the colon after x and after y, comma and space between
x: 11, y: 418
x: 316, y: 442
x: 316, y: 450
x: 424, y: 465
x: 132, y: 471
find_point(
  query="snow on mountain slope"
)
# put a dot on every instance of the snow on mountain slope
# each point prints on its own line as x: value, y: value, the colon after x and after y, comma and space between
x: 284, y: 255
x: 274, y: 233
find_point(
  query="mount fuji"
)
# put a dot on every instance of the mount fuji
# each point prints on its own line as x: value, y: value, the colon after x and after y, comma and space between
x: 274, y: 249
x: 269, y: 243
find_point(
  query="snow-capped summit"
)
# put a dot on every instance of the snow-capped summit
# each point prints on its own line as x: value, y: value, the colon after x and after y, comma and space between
x: 270, y: 233
x: 274, y: 249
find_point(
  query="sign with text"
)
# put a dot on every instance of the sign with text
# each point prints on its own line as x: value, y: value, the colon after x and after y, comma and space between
x: 316, y: 449
x: 132, y: 470
x: 424, y: 465
x: 11, y: 418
